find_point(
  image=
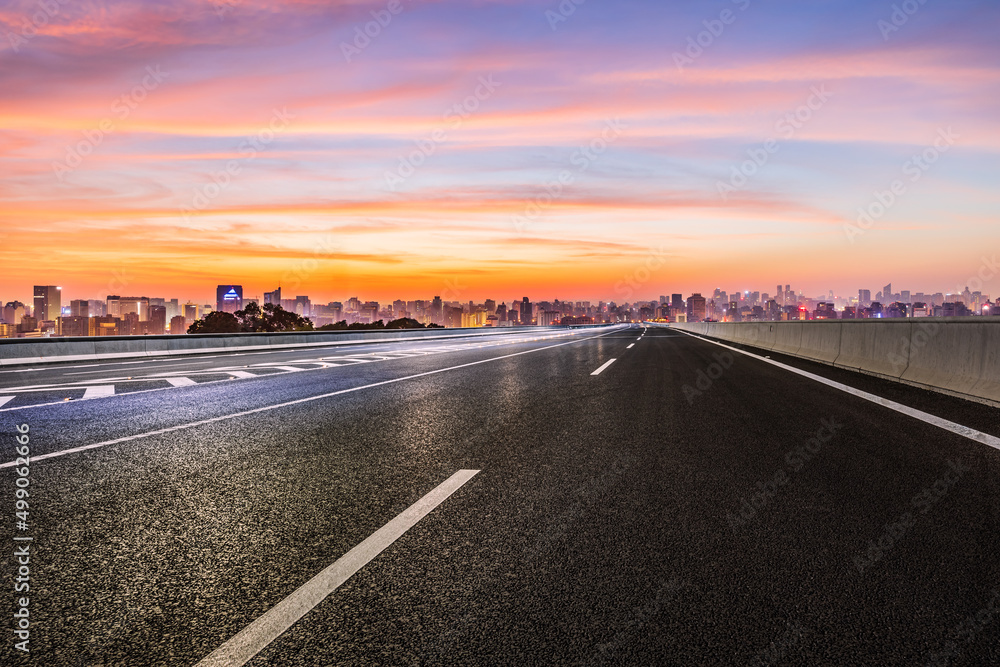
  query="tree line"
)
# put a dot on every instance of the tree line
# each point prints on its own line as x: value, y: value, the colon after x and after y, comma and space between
x: 272, y: 318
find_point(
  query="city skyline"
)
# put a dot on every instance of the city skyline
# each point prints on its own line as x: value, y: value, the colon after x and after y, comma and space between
x: 552, y: 147
x: 631, y: 292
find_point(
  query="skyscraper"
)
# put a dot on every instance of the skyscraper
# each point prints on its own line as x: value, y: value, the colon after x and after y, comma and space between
x: 48, y: 302
x: 229, y: 298
x: 696, y: 308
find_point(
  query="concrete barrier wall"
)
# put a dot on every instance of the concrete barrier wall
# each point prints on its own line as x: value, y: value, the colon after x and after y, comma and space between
x: 957, y: 356
x: 20, y: 351
x: 820, y: 341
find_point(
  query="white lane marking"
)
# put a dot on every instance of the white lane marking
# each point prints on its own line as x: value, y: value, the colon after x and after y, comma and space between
x: 630, y: 346
x: 97, y: 392
x: 964, y: 431
x: 277, y: 406
x: 240, y: 374
x: 255, y: 637
x: 208, y: 371
x: 6, y: 399
x: 601, y: 369
x: 181, y: 382
x: 290, y: 369
x: 639, y: 338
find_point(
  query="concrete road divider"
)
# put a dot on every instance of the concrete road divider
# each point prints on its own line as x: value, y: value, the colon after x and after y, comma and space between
x: 959, y: 356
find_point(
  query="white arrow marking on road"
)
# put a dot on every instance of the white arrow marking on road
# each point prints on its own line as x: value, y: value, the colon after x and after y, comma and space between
x: 255, y: 637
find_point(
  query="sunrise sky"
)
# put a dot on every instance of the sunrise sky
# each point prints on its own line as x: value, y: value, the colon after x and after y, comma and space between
x: 426, y: 159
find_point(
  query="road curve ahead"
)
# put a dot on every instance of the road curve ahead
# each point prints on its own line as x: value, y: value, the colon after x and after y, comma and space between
x: 615, y: 496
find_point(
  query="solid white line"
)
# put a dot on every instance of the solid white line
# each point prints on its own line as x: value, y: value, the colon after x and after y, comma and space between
x: 309, y: 399
x: 601, y: 369
x: 630, y: 346
x: 964, y: 431
x: 290, y: 369
x: 181, y: 382
x: 6, y: 399
x: 98, y: 392
x: 255, y: 637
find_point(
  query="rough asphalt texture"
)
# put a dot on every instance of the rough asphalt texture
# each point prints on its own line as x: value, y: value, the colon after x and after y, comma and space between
x: 632, y: 517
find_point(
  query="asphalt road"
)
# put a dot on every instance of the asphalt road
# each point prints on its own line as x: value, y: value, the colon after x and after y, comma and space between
x: 688, y: 505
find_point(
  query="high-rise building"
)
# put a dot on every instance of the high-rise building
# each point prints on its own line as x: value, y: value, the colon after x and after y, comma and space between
x: 13, y: 311
x: 157, y: 325
x: 526, y: 314
x: 696, y: 306
x: 864, y: 298
x: 76, y: 325
x: 178, y: 325
x: 190, y: 312
x: 273, y: 297
x: 303, y: 306
x: 229, y: 298
x: 134, y: 304
x: 677, y: 302
x: 48, y: 302
x: 79, y: 308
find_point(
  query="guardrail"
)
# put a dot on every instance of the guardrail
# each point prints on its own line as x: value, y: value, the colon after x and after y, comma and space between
x: 959, y: 356
x: 19, y: 351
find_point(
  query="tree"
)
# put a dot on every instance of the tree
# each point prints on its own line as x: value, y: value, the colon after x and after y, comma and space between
x: 404, y: 323
x: 217, y: 322
x: 252, y: 319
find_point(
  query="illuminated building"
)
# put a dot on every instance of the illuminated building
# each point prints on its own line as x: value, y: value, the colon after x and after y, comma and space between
x: 48, y: 302
x: 229, y: 298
